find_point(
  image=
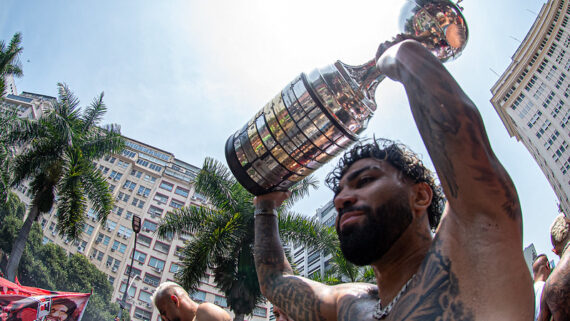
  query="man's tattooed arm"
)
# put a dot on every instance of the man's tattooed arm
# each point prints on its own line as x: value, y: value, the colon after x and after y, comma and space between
x: 451, y: 127
x: 300, y: 298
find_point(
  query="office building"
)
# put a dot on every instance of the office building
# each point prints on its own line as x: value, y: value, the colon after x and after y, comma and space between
x: 531, y: 97
x: 308, y: 261
x: 148, y: 182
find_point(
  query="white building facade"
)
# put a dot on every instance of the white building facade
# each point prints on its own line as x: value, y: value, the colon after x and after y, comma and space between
x: 148, y: 182
x: 531, y: 97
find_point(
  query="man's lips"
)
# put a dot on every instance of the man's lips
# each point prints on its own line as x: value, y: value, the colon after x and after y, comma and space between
x: 350, y: 217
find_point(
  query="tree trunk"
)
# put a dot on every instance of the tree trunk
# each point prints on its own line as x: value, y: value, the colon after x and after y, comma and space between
x: 20, y: 244
x: 239, y: 317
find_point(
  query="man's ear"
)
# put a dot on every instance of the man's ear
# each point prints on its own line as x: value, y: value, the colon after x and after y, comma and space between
x: 175, y: 300
x: 421, y: 197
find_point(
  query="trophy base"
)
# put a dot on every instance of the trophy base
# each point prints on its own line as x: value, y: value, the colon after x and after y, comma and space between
x: 239, y: 172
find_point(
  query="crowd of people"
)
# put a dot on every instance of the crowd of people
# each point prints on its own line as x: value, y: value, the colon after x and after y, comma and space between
x: 449, y: 252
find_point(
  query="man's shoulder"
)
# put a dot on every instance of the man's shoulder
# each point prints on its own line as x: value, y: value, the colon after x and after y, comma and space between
x: 209, y: 311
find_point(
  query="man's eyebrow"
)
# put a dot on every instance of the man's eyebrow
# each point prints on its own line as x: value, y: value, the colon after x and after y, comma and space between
x: 355, y: 174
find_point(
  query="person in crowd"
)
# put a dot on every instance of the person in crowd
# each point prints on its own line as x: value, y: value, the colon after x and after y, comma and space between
x: 540, y: 272
x: 555, y: 301
x: 280, y: 315
x: 174, y: 304
x: 466, y: 264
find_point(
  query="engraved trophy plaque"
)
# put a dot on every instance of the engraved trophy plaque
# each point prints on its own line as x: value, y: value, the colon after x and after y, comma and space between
x: 320, y: 114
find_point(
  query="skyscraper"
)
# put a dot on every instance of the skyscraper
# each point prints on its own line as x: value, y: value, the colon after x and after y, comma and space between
x: 531, y: 97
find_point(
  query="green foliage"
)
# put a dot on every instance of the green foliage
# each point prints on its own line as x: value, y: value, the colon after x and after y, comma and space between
x: 9, y: 59
x: 56, y: 154
x: 49, y: 267
x: 224, y: 235
x: 342, y: 271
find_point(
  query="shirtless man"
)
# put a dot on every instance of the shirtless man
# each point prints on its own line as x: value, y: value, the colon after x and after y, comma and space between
x: 555, y: 300
x: 174, y: 304
x: 540, y: 273
x: 471, y: 269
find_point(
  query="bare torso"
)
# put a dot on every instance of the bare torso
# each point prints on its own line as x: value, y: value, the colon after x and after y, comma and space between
x: 556, y: 293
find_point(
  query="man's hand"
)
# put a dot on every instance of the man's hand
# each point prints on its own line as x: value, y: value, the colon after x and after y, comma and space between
x: 271, y: 200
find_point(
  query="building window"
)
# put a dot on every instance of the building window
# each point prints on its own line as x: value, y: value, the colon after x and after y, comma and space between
x: 142, y: 314
x: 144, y: 240
x: 161, y: 247
x: 149, y: 178
x: 123, y: 197
x: 136, y: 173
x: 122, y: 164
x: 139, y: 256
x: 143, y: 191
x: 115, y: 175
x: 88, y: 229
x: 144, y: 297
x: 176, y: 204
x: 156, y: 263
x: 129, y: 185
x: 260, y: 312
x: 151, y: 279
x: 134, y: 273
x: 181, y: 191
x: 199, y: 296
x: 132, y: 290
x: 149, y: 226
x: 118, y: 246
x: 111, y: 225
x: 129, y: 153
x: 221, y: 301
x: 161, y: 199
x: 155, y: 211
x: 167, y: 186
x: 174, y: 267
x: 124, y: 231
x: 137, y: 202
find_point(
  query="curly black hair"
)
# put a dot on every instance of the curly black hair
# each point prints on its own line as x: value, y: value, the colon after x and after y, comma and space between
x: 399, y: 156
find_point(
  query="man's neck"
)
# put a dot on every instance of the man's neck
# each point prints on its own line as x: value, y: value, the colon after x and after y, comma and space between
x: 401, y: 262
x: 190, y: 309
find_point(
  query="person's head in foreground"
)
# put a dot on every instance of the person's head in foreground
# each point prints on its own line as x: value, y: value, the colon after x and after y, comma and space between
x: 172, y: 301
x: 174, y: 304
x: 386, y: 208
x: 541, y: 268
x: 560, y: 234
x: 61, y: 310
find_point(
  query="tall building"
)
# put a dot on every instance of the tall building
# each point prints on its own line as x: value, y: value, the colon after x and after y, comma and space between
x: 531, y: 97
x: 148, y: 182
x: 309, y: 261
x: 10, y: 85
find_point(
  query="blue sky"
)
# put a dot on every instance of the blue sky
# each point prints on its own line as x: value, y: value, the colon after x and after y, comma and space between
x: 184, y: 75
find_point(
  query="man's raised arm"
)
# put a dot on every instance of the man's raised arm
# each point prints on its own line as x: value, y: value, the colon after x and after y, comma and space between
x: 475, y: 183
x: 302, y: 299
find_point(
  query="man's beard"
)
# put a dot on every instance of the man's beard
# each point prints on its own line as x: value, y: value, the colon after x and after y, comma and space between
x: 368, y: 241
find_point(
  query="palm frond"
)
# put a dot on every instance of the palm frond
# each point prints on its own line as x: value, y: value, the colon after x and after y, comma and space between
x: 94, y: 113
x: 72, y: 202
x: 215, y: 181
x: 102, y: 143
x: 300, y: 230
x: 96, y: 189
x: 187, y: 219
x: 301, y: 189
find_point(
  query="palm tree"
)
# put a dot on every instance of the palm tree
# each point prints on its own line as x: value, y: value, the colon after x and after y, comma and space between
x: 9, y: 62
x: 56, y: 158
x: 8, y: 117
x: 224, y: 235
x: 341, y: 271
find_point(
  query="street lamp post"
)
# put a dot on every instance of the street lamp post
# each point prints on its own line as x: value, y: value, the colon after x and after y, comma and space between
x: 136, y: 225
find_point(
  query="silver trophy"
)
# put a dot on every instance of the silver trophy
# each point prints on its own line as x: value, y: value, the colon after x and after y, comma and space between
x: 318, y: 115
